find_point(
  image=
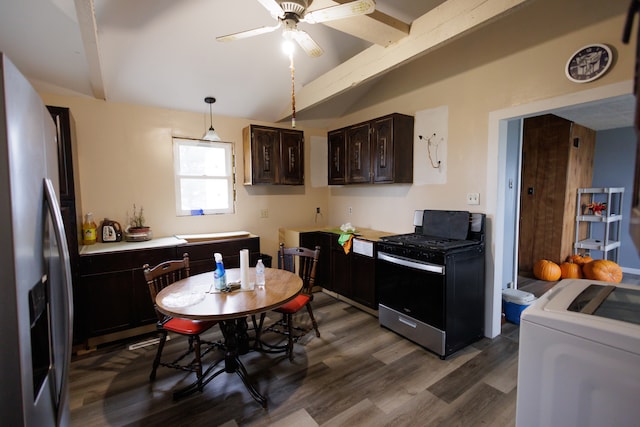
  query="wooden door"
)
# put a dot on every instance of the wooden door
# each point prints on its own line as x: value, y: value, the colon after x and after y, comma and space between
x: 557, y: 159
x: 359, y: 154
x: 544, y: 171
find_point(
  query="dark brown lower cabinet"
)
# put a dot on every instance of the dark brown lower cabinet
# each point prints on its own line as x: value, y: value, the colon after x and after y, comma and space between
x: 350, y: 275
x: 323, y: 269
x: 113, y: 296
x: 340, y: 269
x: 201, y: 254
x: 363, y: 280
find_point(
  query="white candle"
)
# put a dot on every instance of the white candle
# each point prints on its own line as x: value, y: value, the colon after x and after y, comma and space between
x: 244, y: 269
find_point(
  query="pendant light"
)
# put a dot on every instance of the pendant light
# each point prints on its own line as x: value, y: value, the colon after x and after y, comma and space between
x: 211, y: 134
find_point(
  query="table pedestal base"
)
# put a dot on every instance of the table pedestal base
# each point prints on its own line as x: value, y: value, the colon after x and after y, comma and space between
x: 236, y: 343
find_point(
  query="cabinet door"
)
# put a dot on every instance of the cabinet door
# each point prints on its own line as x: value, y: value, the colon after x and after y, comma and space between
x: 337, y: 157
x: 359, y: 154
x: 340, y: 270
x: 143, y: 311
x: 264, y: 155
x: 382, y: 145
x: 62, y: 120
x: 291, y: 157
x: 311, y: 240
x: 363, y: 280
x: 107, y: 302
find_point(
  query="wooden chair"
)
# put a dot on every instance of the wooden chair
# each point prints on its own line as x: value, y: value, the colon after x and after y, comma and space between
x: 305, y: 262
x: 158, y: 278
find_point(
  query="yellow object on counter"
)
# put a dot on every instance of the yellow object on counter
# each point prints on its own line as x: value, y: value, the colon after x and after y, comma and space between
x: 89, y: 230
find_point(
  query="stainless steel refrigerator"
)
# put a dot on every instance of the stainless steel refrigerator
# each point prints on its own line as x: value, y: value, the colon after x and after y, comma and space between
x: 35, y: 281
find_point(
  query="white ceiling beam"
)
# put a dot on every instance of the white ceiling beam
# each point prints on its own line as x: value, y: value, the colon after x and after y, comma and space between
x: 440, y: 25
x: 376, y: 27
x: 85, y: 9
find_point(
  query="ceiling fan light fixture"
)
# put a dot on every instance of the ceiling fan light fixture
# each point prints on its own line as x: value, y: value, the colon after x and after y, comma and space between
x: 287, y: 43
x: 211, y: 134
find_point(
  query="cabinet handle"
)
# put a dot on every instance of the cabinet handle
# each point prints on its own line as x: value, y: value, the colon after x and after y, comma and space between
x: 383, y: 152
x: 266, y: 157
x: 336, y: 159
x: 356, y: 155
x: 292, y: 159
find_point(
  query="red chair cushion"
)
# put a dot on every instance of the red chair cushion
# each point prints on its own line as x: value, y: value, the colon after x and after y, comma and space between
x: 187, y: 327
x: 294, y: 305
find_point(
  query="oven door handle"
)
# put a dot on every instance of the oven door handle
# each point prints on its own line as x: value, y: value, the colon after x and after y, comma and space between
x: 406, y: 262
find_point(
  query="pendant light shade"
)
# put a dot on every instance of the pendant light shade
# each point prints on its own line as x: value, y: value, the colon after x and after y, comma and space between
x: 211, y: 134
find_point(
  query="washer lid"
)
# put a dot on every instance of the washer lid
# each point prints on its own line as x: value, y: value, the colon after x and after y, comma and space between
x: 560, y: 309
x: 608, y: 301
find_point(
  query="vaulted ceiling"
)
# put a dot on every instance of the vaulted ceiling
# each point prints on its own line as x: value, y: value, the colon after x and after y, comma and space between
x: 164, y: 53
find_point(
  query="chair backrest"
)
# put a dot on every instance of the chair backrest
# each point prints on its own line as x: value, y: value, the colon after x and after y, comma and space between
x: 164, y: 274
x: 302, y: 261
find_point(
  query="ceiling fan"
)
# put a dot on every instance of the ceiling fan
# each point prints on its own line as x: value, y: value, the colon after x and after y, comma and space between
x: 290, y: 12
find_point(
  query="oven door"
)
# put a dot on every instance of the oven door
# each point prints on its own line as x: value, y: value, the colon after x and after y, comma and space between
x: 412, y: 288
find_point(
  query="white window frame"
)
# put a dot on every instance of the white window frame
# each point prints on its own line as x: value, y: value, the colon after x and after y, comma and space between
x: 180, y: 177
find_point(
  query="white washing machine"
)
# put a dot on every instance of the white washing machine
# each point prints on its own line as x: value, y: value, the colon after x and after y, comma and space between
x: 579, y: 357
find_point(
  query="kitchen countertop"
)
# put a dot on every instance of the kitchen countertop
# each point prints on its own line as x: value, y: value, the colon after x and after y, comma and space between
x: 160, y: 242
x: 361, y: 233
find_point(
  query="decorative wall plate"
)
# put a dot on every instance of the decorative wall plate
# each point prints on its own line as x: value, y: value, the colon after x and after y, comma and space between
x: 589, y: 63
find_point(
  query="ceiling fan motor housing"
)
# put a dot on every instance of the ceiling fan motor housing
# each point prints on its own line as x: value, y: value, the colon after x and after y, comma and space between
x: 296, y: 6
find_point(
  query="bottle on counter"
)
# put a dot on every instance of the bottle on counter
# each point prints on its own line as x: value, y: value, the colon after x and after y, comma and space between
x: 219, y: 276
x: 89, y: 227
x: 260, y: 274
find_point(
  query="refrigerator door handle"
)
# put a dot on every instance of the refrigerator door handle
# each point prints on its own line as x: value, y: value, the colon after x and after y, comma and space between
x: 58, y: 228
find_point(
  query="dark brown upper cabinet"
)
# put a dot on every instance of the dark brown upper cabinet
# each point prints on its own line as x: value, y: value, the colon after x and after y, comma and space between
x: 273, y: 156
x: 372, y: 152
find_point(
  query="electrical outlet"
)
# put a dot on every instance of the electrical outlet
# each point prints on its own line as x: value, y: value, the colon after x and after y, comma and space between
x: 473, y: 198
x: 264, y: 213
x: 317, y: 210
x: 349, y: 210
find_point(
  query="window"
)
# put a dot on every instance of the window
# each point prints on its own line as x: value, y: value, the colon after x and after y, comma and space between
x: 204, y: 177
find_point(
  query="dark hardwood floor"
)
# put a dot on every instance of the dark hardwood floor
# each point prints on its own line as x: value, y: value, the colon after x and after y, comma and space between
x: 355, y: 374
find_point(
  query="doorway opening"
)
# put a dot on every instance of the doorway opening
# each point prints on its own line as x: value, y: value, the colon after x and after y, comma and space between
x: 505, y: 141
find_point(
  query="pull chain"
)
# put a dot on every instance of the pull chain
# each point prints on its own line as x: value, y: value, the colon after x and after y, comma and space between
x: 293, y: 92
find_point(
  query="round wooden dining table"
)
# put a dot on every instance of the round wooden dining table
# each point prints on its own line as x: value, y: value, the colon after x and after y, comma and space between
x: 196, y: 298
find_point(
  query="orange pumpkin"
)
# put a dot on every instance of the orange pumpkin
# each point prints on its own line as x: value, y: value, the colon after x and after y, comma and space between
x: 579, y: 259
x: 570, y: 270
x: 546, y: 270
x: 603, y: 269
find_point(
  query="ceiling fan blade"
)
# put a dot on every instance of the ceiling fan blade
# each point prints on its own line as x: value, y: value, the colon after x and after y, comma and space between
x: 307, y: 44
x: 273, y: 7
x: 247, y: 34
x: 354, y: 8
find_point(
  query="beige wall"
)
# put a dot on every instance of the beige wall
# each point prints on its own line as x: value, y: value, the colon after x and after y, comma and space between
x: 125, y: 152
x: 475, y: 87
x: 125, y: 156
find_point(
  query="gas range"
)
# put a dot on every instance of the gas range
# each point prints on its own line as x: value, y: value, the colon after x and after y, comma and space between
x: 430, y: 282
x: 440, y: 231
x: 427, y: 242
